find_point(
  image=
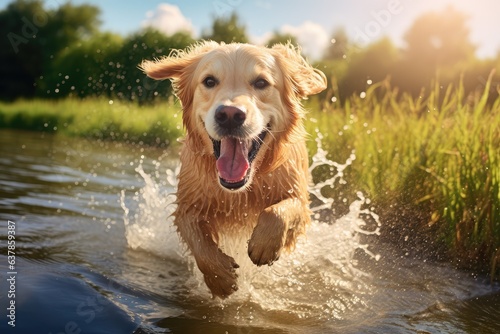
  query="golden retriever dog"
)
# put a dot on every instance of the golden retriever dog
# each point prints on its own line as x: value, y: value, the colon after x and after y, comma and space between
x: 244, y: 164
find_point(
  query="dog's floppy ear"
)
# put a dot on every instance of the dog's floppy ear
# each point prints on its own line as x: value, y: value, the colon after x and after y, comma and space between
x: 178, y: 66
x: 169, y: 67
x: 305, y: 79
x: 175, y: 64
x: 300, y: 81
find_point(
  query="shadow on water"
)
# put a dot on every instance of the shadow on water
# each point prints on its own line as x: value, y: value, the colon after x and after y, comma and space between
x: 65, y: 299
x: 96, y: 252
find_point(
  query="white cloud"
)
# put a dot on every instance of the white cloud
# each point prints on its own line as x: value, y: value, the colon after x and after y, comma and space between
x: 262, y: 39
x: 168, y: 19
x: 311, y: 37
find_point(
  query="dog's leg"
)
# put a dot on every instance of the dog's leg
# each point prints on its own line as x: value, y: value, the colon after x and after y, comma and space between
x: 218, y: 268
x: 278, y: 226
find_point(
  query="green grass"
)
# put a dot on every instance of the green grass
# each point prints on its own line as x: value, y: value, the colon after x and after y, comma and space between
x: 430, y: 165
x: 96, y: 118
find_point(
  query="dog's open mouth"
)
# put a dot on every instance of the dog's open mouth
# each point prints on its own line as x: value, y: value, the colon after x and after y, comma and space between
x: 234, y: 158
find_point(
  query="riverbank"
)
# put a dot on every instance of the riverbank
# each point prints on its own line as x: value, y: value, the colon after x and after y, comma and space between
x: 429, y: 165
x: 158, y: 125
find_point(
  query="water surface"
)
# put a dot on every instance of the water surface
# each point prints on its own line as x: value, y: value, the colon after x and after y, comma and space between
x: 96, y: 253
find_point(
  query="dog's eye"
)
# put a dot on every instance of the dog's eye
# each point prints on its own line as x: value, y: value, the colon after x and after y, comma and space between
x: 260, y: 83
x: 210, y: 82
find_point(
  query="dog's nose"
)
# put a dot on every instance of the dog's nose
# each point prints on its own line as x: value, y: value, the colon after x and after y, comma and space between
x: 229, y: 117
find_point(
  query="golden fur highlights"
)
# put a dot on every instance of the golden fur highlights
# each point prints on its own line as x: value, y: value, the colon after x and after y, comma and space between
x: 244, y: 161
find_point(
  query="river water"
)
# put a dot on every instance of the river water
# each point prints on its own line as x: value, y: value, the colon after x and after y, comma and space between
x: 95, y: 252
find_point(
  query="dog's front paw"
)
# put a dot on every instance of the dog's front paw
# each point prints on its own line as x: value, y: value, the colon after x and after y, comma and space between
x: 220, y: 275
x: 267, y: 239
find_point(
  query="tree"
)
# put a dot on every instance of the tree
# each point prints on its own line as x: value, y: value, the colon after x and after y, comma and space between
x: 279, y: 38
x: 436, y: 42
x: 439, y: 39
x: 375, y: 63
x: 227, y: 29
x: 145, y: 44
x: 107, y: 65
x: 339, y: 46
x: 35, y: 36
x: 84, y: 69
x: 20, y: 56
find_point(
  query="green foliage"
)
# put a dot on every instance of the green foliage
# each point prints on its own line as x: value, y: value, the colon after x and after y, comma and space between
x: 147, y: 44
x: 35, y: 35
x: 83, y: 69
x: 437, y: 45
x: 430, y: 165
x: 63, y: 52
x: 439, y: 38
x: 107, y: 65
x: 279, y: 38
x: 374, y: 63
x: 437, y: 42
x: 158, y: 125
x: 339, y: 45
x: 227, y: 30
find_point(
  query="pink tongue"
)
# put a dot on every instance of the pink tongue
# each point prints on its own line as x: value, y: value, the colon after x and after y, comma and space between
x: 233, y: 161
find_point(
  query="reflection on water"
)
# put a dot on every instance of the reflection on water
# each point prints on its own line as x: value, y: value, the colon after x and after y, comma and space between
x: 96, y: 251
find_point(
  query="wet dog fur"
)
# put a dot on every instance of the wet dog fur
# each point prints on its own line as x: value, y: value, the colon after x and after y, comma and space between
x: 244, y: 163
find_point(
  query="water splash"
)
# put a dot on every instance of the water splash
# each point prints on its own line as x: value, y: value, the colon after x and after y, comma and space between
x: 318, y: 160
x: 150, y: 227
x: 320, y: 279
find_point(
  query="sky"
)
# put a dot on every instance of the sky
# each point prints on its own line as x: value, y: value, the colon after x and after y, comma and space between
x: 312, y: 21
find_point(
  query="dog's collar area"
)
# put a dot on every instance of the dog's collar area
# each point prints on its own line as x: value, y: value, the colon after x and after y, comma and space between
x: 254, y: 148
